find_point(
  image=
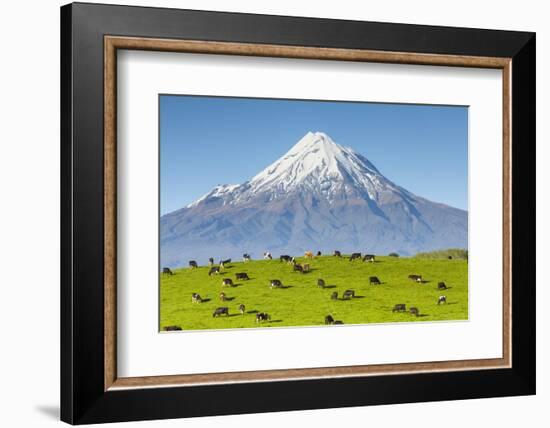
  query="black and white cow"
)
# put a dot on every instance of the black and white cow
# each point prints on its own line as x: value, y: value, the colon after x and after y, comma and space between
x: 400, y: 307
x: 241, y: 309
x: 368, y: 258
x: 441, y: 286
x: 196, y: 298
x: 329, y: 320
x: 414, y: 311
x: 298, y: 268
x: 442, y: 299
x: 193, y: 264
x: 348, y: 294
x: 246, y: 257
x: 321, y: 283
x: 334, y: 295
x: 262, y: 316
x: 241, y: 275
x: 214, y: 270
x: 373, y: 280
x: 416, y: 278
x: 285, y: 258
x: 227, y: 282
x: 275, y: 283
x: 210, y: 261
x: 224, y: 310
x: 337, y: 253
x: 355, y: 256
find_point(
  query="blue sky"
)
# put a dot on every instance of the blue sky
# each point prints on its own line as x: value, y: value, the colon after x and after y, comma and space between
x: 205, y: 141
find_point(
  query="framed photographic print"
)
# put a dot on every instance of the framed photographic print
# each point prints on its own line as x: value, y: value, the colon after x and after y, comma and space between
x: 277, y: 213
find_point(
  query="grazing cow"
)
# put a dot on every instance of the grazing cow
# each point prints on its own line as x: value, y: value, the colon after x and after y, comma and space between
x: 225, y: 262
x: 196, y: 298
x: 334, y: 295
x: 400, y: 307
x: 242, y: 275
x: 321, y: 283
x: 285, y: 258
x: 172, y: 328
x: 262, y: 316
x: 298, y: 268
x: 354, y: 256
x: 308, y: 255
x: 213, y: 270
x: 318, y: 254
x: 337, y: 253
x: 368, y: 258
x: 241, y: 309
x: 224, y: 310
x: 306, y: 267
x: 210, y: 261
x: 329, y: 320
x: 417, y: 278
x: 373, y: 280
x: 348, y: 294
x: 414, y: 311
x: 267, y: 255
x: 193, y: 264
x: 223, y: 297
x: 442, y: 299
x: 441, y: 286
x: 167, y: 271
x: 450, y: 257
x: 275, y: 283
x: 246, y: 257
x: 338, y: 322
x: 227, y: 282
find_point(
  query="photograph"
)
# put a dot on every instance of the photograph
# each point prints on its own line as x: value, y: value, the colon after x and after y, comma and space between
x: 296, y: 213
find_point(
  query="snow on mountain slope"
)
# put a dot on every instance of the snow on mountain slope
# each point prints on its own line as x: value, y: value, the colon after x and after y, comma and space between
x: 318, y: 195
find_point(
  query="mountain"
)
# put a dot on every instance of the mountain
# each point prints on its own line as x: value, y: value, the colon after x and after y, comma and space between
x: 318, y: 196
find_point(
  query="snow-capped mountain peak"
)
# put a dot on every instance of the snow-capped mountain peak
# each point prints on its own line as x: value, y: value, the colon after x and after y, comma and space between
x: 317, y: 162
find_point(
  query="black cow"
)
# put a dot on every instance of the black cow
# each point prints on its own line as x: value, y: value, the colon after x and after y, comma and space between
x: 261, y: 316
x: 334, y: 295
x: 374, y: 280
x: 241, y: 275
x: 172, y: 328
x: 400, y: 307
x: 213, y: 270
x: 318, y: 254
x: 321, y: 283
x: 442, y: 299
x: 298, y: 268
x: 193, y: 264
x: 246, y: 257
x: 227, y: 282
x: 441, y: 286
x: 241, y: 309
x: 337, y: 253
x: 414, y: 311
x: 224, y: 310
x: 196, y: 298
x: 368, y: 258
x: 329, y: 320
x: 417, y: 278
x: 285, y: 258
x: 210, y: 261
x: 354, y: 256
x: 275, y: 283
x: 348, y: 294
x: 167, y: 271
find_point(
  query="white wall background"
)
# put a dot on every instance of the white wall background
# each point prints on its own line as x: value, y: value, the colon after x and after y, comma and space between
x: 29, y: 214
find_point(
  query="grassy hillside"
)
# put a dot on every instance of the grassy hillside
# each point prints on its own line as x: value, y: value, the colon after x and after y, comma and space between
x: 302, y: 303
x: 453, y: 253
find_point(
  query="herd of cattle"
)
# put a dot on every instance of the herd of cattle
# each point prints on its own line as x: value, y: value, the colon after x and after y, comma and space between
x: 301, y: 268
